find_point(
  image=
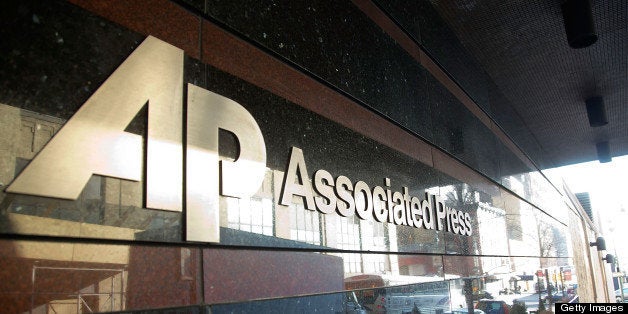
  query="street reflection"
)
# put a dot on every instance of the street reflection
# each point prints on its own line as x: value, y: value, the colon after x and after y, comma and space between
x: 382, y: 267
x: 518, y: 291
x: 68, y: 277
x: 63, y: 278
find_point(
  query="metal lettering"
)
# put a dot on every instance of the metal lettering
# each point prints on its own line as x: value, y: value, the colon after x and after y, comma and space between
x: 93, y: 141
x: 363, y: 200
x: 467, y: 220
x: 441, y: 212
x: 459, y: 216
x: 324, y: 185
x: 406, y: 204
x: 452, y: 220
x: 207, y: 113
x: 379, y: 208
x: 417, y: 214
x: 399, y: 212
x: 290, y: 187
x: 426, y: 207
x: 389, y: 203
x: 347, y: 205
x: 383, y: 204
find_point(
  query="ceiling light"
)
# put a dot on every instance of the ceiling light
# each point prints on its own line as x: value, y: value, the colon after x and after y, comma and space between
x: 603, y: 152
x: 579, y: 23
x: 596, y: 111
x: 609, y: 258
x: 600, y: 243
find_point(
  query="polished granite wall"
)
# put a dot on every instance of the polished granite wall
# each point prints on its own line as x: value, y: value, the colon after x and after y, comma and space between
x: 44, y: 274
x: 323, y: 77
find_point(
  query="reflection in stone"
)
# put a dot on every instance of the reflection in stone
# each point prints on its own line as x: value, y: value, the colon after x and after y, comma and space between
x: 413, y: 298
x: 251, y: 214
x: 65, y: 277
x: 232, y: 275
x: 552, y: 238
x: 114, y: 208
x: 492, y: 221
x: 61, y: 277
x: 517, y: 280
x: 417, y: 298
x: 462, y: 197
x: 523, y: 237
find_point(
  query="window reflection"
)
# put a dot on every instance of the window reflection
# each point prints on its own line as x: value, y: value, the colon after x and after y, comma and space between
x: 492, y: 221
x: 305, y: 225
x: 250, y: 214
x: 552, y: 237
x: 374, y: 239
x: 534, y: 187
x: 348, y: 238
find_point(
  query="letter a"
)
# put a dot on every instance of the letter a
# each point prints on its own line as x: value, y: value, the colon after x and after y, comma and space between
x: 93, y: 141
x: 296, y: 170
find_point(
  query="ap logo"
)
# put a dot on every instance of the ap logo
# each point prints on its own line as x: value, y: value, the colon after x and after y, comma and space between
x: 93, y: 141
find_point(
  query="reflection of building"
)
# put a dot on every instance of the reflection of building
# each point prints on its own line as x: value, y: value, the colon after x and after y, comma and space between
x: 62, y: 278
x: 111, y: 202
x: 88, y: 278
x: 113, y: 207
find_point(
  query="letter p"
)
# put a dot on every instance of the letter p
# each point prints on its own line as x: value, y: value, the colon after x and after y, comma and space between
x: 206, y: 178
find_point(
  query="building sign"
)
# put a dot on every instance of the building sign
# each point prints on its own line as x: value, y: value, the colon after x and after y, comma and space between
x: 93, y: 141
x: 380, y: 203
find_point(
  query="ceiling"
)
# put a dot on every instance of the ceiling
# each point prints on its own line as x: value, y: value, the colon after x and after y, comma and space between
x: 522, y: 45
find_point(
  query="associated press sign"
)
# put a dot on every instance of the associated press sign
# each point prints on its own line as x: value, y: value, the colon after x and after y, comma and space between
x: 93, y: 141
x: 380, y: 203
